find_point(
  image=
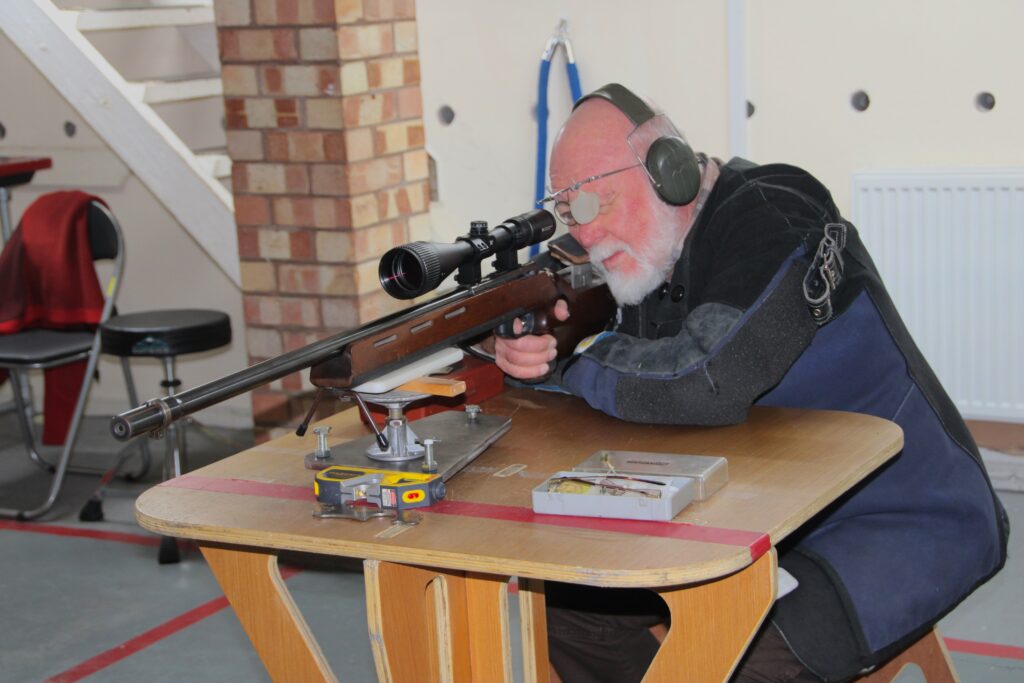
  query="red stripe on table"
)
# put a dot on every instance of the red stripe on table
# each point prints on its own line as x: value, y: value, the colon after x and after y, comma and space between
x: 973, y: 647
x: 144, y: 640
x: 78, y: 532
x: 758, y: 543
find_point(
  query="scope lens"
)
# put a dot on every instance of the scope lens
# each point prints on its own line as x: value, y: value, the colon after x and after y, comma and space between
x: 402, y: 273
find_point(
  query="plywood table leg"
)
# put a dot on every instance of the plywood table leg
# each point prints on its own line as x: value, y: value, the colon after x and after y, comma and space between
x: 417, y: 622
x: 487, y: 619
x: 534, y: 626
x: 252, y: 583
x: 437, y: 625
x: 712, y: 624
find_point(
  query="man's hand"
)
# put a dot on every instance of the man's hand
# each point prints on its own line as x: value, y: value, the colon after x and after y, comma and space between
x: 528, y: 357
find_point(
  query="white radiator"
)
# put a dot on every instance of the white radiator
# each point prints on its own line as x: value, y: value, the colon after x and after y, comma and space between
x: 950, y: 248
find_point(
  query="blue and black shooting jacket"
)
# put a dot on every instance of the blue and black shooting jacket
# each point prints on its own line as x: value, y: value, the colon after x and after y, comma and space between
x: 742, y: 322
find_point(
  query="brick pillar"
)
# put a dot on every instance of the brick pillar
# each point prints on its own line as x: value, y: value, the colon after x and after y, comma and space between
x: 325, y: 130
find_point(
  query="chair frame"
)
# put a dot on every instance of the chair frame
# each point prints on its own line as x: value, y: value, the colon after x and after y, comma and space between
x: 92, y: 356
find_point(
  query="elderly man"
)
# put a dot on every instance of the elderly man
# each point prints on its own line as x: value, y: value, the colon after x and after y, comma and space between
x: 740, y: 284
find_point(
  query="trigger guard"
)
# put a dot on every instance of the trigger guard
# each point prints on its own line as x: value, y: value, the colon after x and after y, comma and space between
x: 507, y: 329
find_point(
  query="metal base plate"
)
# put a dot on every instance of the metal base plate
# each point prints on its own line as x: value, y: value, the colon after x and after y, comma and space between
x: 363, y: 513
x: 458, y: 441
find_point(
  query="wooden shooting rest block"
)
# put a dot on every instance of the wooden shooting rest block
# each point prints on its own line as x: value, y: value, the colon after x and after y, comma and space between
x: 437, y: 592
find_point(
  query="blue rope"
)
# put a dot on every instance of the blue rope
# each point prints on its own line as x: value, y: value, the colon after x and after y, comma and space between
x: 574, y: 81
x: 542, y: 126
x: 542, y: 136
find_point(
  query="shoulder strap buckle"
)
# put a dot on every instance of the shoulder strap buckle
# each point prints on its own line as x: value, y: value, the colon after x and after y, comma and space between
x: 826, y: 273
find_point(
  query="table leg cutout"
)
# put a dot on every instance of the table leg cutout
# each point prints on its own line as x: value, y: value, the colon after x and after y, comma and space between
x: 534, y: 627
x: 713, y: 623
x: 438, y: 625
x: 253, y: 585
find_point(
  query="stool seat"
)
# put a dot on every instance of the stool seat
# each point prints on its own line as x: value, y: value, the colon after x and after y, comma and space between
x: 165, y: 333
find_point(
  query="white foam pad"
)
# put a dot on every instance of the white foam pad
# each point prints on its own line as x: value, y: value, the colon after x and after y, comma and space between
x: 418, y: 368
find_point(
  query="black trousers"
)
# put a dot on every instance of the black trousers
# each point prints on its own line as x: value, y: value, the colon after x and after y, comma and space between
x: 601, y: 635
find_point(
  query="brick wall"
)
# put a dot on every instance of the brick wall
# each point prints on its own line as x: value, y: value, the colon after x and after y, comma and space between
x: 324, y: 127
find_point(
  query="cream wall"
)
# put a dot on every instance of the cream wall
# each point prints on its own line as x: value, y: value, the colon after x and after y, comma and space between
x: 164, y: 267
x: 482, y: 58
x: 922, y: 62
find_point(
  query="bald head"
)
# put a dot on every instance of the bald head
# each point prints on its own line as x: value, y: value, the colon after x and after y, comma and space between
x: 633, y: 236
x: 592, y: 141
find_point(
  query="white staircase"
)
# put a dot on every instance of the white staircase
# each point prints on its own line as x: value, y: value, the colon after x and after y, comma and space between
x: 145, y: 75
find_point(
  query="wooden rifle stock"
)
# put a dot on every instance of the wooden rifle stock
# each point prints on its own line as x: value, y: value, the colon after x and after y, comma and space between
x: 352, y: 358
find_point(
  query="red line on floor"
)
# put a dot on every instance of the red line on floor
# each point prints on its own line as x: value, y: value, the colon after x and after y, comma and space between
x: 153, y: 635
x: 974, y: 647
x: 140, y: 642
x: 79, y: 532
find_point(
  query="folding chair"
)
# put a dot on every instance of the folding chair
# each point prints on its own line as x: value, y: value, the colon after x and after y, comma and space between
x: 42, y: 349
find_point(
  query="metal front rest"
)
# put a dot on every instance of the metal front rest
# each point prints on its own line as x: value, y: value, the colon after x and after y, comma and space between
x: 458, y: 437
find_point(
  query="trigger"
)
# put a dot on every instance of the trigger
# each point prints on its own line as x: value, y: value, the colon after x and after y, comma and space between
x: 507, y: 329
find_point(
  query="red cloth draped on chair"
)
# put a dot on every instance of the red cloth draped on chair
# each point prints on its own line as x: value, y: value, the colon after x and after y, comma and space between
x: 47, y: 280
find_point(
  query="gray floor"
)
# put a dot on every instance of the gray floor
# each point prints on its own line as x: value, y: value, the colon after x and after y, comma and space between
x: 79, y: 608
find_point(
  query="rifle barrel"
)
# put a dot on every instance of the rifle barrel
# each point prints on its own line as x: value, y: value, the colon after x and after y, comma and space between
x: 157, y: 414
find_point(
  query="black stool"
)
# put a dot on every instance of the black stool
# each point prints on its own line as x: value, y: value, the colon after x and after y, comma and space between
x: 165, y: 335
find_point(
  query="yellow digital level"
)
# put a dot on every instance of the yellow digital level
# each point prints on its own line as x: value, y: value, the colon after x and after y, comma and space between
x: 388, y: 489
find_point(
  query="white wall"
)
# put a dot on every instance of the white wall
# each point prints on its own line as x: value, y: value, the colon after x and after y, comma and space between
x: 482, y: 58
x: 164, y: 266
x: 921, y: 61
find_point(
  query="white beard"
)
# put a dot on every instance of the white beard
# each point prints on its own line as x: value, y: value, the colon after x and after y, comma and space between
x: 627, y: 289
x: 655, y: 262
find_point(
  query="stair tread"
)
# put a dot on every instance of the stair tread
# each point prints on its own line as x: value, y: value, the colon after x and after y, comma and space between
x: 144, y: 17
x: 187, y: 88
x: 217, y: 163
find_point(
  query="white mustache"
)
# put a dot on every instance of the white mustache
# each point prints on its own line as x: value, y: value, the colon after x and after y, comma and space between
x: 605, y: 250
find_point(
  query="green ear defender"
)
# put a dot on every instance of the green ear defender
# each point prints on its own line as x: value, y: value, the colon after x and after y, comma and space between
x: 671, y: 164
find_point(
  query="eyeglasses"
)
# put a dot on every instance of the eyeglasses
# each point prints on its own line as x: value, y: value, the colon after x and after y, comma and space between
x: 585, y: 206
x: 608, y: 485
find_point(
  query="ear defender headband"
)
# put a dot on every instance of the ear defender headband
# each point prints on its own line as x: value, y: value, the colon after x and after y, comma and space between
x: 670, y: 163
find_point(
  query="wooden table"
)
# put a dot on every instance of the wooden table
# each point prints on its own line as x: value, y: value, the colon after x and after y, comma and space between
x: 437, y: 592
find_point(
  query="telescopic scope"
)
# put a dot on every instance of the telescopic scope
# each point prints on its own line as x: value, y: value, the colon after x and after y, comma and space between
x: 414, y: 269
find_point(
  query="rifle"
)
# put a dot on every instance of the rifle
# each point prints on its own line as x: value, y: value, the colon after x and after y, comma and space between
x: 476, y: 307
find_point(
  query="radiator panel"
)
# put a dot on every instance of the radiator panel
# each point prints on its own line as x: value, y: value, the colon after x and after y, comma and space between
x: 950, y: 248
